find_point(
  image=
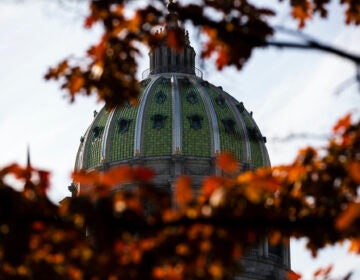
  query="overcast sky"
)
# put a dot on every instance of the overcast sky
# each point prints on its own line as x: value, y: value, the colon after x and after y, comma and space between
x: 288, y: 91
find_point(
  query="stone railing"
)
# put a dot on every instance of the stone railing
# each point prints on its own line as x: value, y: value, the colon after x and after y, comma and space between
x: 146, y: 73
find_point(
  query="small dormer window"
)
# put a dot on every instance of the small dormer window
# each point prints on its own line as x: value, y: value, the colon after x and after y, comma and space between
x: 220, y: 101
x: 205, y: 83
x: 127, y: 103
x: 229, y: 126
x: 158, y: 121
x: 195, y: 121
x: 163, y: 81
x: 124, y: 125
x: 255, y: 134
x: 96, y: 131
x: 160, y: 97
x: 191, y: 97
x: 185, y: 81
x: 144, y: 83
x: 240, y: 107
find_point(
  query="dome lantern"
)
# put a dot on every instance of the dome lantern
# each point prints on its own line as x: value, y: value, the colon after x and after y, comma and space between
x: 164, y: 58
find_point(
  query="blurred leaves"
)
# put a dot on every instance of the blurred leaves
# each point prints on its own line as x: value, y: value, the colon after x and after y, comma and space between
x: 109, y: 67
x: 122, y: 226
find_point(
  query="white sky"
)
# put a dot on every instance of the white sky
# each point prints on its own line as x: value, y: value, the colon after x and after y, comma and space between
x: 289, y: 92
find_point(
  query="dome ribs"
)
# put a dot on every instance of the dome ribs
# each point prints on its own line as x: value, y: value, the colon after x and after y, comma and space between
x: 92, y: 153
x: 176, y: 111
x: 234, y: 142
x: 140, y: 117
x: 214, y: 126
x: 256, y: 140
x: 105, y: 144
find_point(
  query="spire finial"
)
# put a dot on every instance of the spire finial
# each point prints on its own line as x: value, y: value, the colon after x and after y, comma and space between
x: 172, y: 19
x: 28, y: 161
x: 170, y: 4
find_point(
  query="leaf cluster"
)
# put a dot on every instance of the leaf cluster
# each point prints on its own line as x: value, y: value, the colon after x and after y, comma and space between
x: 122, y: 227
x: 109, y: 68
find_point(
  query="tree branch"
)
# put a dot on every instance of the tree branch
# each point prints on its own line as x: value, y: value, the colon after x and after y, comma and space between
x: 312, y: 45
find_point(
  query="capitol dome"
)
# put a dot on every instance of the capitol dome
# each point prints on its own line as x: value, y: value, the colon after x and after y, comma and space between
x: 180, y: 118
x: 180, y: 124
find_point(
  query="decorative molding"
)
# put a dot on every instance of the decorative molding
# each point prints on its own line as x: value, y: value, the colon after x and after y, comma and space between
x: 176, y: 111
x: 139, y: 118
x: 242, y: 126
x: 214, y: 125
x: 106, y: 138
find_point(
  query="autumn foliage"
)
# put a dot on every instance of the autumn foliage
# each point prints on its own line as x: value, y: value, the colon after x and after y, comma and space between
x: 120, y: 226
x: 144, y: 233
x: 110, y: 66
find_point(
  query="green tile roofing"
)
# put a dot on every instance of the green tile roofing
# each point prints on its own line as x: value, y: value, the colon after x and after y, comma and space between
x: 178, y: 114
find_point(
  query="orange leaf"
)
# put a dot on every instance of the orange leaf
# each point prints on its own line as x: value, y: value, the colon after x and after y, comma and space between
x: 76, y: 82
x: 89, y: 21
x: 117, y: 175
x: 183, y: 192
x: 342, y: 124
x: 98, y: 51
x: 328, y: 270
x: 323, y: 271
x: 295, y: 173
x: 354, y: 171
x: 237, y: 252
x: 355, y: 246
x: 135, y: 205
x: 227, y: 162
x: 158, y: 273
x: 175, y: 39
x: 216, y: 270
x: 253, y: 193
x: 182, y: 249
x: 17, y: 171
x: 210, y: 184
x: 87, y: 178
x: 222, y: 58
x: 292, y: 275
x: 143, y: 174
x: 351, y: 213
x: 274, y: 238
x: 169, y: 215
x: 135, y: 23
x: 302, y: 12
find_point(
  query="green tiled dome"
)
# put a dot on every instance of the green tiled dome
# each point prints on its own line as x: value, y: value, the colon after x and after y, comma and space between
x: 179, y: 126
x: 181, y: 122
x: 179, y: 114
